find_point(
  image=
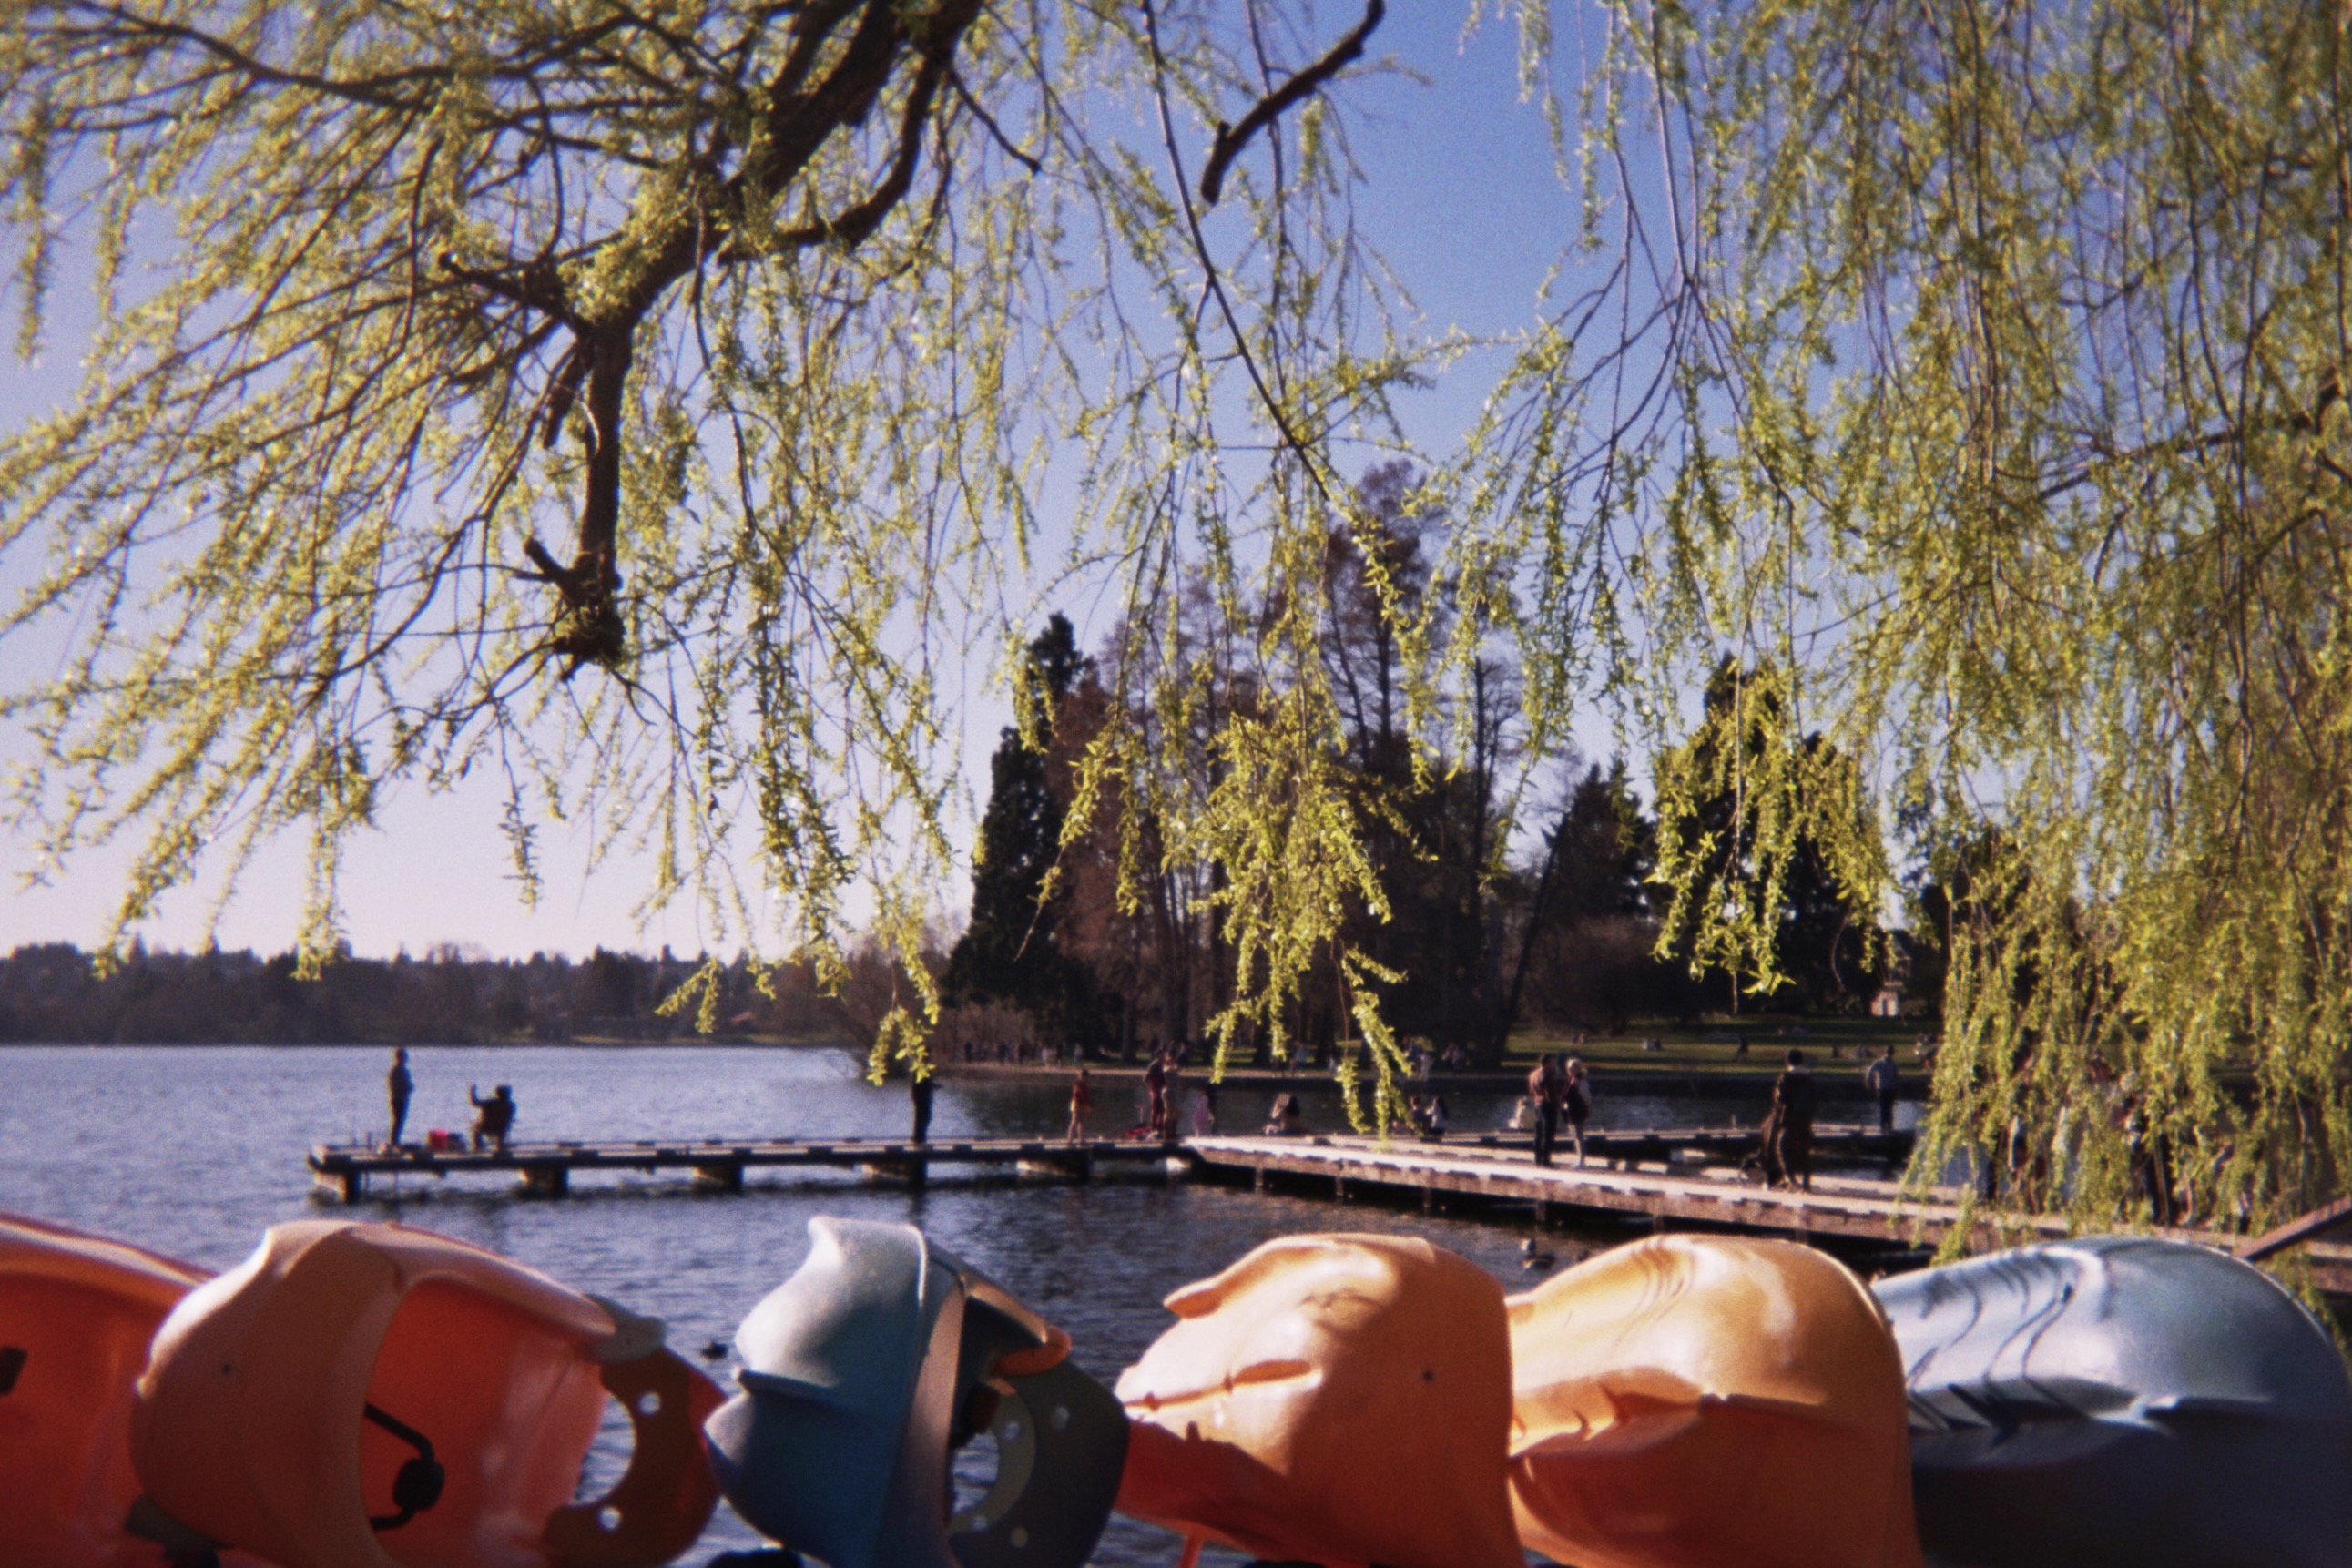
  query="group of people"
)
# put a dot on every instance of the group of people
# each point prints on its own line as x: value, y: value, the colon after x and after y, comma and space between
x: 1160, y: 1078
x: 1558, y: 1089
x: 493, y: 1117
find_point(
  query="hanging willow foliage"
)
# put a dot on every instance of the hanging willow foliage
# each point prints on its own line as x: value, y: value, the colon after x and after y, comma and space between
x: 1973, y: 374
x: 776, y: 319
x: 1980, y: 369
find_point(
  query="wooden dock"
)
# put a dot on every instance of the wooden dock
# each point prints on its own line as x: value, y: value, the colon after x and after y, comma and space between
x: 1847, y: 1208
x: 1671, y: 1177
x: 547, y: 1169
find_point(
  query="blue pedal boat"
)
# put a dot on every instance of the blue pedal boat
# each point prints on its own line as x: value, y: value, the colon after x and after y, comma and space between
x: 863, y: 1375
x: 2121, y: 1402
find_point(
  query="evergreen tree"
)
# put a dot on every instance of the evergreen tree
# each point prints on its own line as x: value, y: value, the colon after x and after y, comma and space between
x: 1012, y: 950
x: 1769, y: 848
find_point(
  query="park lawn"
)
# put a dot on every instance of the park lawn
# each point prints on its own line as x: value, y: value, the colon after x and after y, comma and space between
x: 1711, y: 1044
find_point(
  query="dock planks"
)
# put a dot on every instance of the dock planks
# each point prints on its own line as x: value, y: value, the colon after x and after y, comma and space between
x: 1839, y: 1206
x: 1660, y: 1175
x: 547, y: 1169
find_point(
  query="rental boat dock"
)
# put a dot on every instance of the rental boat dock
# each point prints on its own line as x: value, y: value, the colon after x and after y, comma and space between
x: 546, y: 1169
x: 1879, y: 1213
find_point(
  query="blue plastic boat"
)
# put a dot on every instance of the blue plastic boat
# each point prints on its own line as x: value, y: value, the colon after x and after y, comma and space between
x: 864, y: 1373
x: 2124, y: 1402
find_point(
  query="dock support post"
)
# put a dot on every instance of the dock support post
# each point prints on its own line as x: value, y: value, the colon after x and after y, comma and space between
x: 546, y: 1181
x: 1258, y: 1179
x: 354, y: 1186
x: 1339, y: 1188
x: 1543, y: 1214
x: 724, y: 1176
x: 1428, y: 1199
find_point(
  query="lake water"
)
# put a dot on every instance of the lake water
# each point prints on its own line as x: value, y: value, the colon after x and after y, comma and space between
x: 193, y: 1152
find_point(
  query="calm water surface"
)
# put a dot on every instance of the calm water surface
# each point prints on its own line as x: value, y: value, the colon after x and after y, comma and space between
x: 195, y: 1151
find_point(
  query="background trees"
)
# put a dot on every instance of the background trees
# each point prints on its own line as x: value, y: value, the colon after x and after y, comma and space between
x: 1767, y: 847
x: 1013, y: 950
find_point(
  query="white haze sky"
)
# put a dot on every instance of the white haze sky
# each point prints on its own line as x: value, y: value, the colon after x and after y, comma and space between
x: 1462, y: 201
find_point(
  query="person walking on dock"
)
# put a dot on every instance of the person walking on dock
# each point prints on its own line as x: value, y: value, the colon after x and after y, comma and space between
x: 919, y: 1090
x: 399, y: 1086
x: 1082, y: 1101
x: 1884, y: 1080
x: 1795, y: 1098
x: 494, y: 1117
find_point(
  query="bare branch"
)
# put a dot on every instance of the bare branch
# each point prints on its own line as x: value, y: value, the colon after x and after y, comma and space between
x: 1232, y: 139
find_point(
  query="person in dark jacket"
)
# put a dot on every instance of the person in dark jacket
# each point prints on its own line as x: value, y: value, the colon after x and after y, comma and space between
x: 1795, y: 1098
x: 919, y: 1090
x: 399, y: 1086
x: 1576, y: 1102
x: 494, y: 1117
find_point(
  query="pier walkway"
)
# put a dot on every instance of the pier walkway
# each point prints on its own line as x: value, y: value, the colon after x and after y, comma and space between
x: 1671, y: 1178
x: 1844, y: 1207
x: 546, y: 1169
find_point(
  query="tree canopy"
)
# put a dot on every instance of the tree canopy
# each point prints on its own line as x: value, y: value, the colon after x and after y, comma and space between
x: 1983, y: 372
x: 774, y: 318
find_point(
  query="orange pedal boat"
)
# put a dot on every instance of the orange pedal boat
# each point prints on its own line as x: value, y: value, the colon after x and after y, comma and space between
x: 1693, y: 1402
x: 1342, y: 1400
x: 76, y: 1315
x: 372, y: 1396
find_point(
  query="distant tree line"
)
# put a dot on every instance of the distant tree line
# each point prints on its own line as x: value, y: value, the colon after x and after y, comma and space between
x: 52, y: 993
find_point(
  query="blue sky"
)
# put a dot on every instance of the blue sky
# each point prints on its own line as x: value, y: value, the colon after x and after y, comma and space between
x: 1462, y: 201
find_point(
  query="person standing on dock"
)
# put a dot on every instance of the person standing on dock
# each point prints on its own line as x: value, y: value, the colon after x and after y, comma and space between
x: 919, y: 1090
x: 1155, y: 1096
x: 1794, y: 1100
x: 399, y: 1086
x: 1544, y: 1093
x: 1576, y: 1103
x: 1204, y: 1111
x: 1082, y: 1101
x: 1884, y: 1080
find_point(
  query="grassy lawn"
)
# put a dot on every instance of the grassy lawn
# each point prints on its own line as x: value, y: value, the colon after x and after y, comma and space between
x: 1712, y: 1044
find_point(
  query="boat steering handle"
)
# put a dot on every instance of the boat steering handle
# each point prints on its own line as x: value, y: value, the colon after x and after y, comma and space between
x: 416, y: 1486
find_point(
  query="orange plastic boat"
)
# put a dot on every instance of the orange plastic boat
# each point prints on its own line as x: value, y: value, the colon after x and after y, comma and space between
x: 1342, y: 1400
x: 76, y: 1315
x: 1693, y: 1402
x: 372, y: 1396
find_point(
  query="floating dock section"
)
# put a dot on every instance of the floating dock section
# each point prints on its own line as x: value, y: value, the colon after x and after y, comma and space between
x: 547, y: 1169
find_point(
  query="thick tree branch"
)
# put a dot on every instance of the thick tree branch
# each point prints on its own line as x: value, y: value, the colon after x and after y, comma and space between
x: 1232, y: 139
x: 855, y: 222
